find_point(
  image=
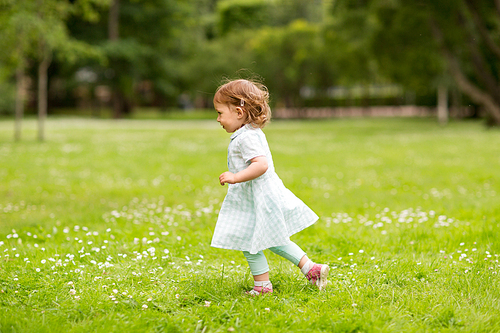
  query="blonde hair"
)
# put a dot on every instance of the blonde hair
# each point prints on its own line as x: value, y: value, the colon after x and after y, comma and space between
x: 252, y: 97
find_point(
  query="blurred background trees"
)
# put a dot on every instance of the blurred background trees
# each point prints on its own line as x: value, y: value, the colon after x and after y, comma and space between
x: 117, y: 55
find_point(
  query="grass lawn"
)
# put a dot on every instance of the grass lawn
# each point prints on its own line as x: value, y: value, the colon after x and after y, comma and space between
x: 106, y: 227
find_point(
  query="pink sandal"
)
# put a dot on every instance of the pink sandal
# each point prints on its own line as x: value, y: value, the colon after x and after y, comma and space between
x: 318, y: 275
x: 258, y: 290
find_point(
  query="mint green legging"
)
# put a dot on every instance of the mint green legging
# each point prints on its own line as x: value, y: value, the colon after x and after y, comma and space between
x: 258, y: 262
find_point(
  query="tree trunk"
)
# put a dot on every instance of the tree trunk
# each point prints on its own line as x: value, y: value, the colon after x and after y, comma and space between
x: 481, y: 27
x: 442, y: 105
x: 497, y: 4
x: 117, y: 99
x: 475, y: 93
x: 118, y: 102
x: 113, y: 20
x: 42, y: 91
x: 19, y: 101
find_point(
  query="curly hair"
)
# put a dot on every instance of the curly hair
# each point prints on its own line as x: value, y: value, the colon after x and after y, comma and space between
x: 253, y: 97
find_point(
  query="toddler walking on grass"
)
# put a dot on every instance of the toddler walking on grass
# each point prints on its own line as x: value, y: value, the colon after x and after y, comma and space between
x: 258, y: 212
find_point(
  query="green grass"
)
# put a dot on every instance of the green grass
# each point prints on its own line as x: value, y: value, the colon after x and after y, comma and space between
x: 106, y: 227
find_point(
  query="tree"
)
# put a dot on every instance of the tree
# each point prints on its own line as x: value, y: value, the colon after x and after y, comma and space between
x: 37, y: 30
x: 18, y: 33
x: 142, y: 40
x: 278, y: 41
x: 242, y: 14
x: 420, y: 43
x: 287, y: 56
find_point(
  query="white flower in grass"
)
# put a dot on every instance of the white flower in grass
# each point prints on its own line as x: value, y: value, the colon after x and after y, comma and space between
x: 72, y: 291
x: 38, y: 269
x: 144, y: 306
x: 44, y: 261
x: 207, y: 303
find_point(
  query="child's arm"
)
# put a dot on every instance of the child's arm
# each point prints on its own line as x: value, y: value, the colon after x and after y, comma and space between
x: 257, y: 167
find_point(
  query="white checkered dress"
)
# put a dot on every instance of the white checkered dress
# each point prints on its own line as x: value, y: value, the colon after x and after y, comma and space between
x: 260, y: 213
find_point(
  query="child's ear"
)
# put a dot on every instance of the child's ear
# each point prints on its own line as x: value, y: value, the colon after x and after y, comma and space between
x: 240, y: 111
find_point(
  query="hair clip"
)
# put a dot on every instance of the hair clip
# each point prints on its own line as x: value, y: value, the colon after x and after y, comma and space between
x: 242, y: 103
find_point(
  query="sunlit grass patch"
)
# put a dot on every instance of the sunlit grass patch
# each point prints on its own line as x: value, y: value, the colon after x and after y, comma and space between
x: 106, y: 226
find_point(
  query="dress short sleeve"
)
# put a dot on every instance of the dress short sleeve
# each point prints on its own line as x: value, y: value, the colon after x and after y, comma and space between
x: 251, y: 146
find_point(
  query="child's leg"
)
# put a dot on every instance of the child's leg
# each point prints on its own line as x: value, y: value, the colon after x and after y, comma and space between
x: 260, y: 271
x: 292, y: 252
x: 315, y: 273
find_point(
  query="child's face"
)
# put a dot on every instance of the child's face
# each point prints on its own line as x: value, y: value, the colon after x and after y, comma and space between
x: 231, y: 118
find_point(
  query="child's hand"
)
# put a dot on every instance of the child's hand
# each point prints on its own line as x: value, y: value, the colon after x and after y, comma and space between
x: 227, y: 177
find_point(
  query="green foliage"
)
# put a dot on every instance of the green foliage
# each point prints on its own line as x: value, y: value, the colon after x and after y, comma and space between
x: 408, y: 210
x: 226, y: 58
x: 404, y: 45
x: 347, y: 32
x: 150, y: 46
x: 188, y: 46
x: 235, y: 15
x: 32, y: 30
x: 291, y: 63
x: 89, y: 10
x: 423, y: 44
